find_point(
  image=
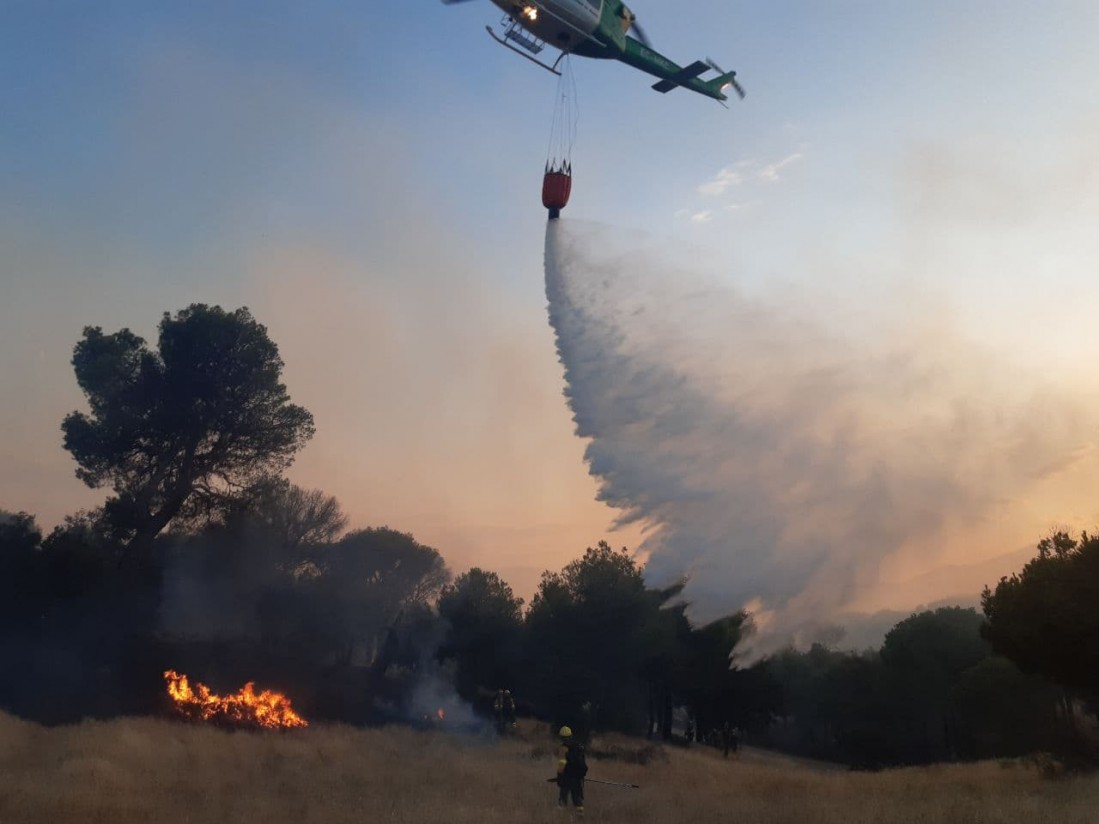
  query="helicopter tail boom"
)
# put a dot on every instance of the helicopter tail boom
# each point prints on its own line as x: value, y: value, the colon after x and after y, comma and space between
x: 672, y: 75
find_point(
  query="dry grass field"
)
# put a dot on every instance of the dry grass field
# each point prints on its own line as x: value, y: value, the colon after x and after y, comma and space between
x: 147, y: 771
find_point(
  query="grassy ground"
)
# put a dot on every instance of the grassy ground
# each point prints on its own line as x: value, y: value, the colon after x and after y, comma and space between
x: 153, y: 771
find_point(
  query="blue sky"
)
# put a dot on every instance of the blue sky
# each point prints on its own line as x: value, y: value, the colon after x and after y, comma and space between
x: 850, y: 86
x: 366, y: 177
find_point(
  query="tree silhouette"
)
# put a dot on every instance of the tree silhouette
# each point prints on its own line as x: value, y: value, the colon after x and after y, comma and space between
x: 925, y: 656
x: 20, y: 566
x: 298, y: 517
x: 19, y: 533
x: 707, y: 682
x: 1045, y: 618
x: 484, y: 629
x: 368, y: 579
x: 585, y: 631
x: 178, y: 431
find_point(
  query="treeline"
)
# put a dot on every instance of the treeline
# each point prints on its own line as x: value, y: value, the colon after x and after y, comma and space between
x: 935, y: 691
x: 951, y: 684
x: 204, y: 559
x: 363, y: 626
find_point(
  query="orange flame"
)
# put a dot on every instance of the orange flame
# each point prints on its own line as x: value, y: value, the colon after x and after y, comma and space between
x: 440, y: 714
x: 246, y: 708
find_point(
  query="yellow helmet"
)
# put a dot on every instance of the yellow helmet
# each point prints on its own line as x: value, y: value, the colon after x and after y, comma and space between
x: 565, y: 732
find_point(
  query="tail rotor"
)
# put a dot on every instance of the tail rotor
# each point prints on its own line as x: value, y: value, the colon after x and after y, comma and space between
x: 732, y: 81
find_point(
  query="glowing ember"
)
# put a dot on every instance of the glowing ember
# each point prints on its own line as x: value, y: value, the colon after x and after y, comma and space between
x: 440, y: 714
x: 246, y: 708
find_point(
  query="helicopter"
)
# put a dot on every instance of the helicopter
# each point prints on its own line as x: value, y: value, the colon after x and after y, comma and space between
x: 603, y: 29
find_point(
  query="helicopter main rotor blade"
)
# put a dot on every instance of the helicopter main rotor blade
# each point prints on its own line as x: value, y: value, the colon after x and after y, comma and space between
x: 639, y: 33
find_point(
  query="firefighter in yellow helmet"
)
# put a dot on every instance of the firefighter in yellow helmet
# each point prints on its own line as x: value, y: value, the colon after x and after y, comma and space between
x: 571, y: 769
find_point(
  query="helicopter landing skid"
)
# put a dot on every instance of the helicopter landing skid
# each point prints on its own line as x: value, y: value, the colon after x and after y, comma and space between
x: 511, y: 34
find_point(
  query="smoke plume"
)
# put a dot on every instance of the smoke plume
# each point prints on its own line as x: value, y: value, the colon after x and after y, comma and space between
x: 773, y: 460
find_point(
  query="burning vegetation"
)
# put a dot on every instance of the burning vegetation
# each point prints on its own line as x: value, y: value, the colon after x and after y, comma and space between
x: 244, y: 708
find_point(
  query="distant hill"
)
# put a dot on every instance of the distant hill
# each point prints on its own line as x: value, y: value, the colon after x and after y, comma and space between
x: 863, y: 630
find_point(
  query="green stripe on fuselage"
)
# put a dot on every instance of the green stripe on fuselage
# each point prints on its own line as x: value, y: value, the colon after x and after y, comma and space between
x: 609, y: 41
x: 609, y: 37
x: 640, y: 56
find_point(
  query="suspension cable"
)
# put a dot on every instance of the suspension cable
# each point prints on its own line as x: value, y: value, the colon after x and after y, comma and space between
x: 565, y: 119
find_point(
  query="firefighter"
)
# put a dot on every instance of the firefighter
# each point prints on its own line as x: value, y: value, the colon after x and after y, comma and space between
x: 509, y: 711
x: 730, y: 739
x: 571, y: 769
x: 498, y: 712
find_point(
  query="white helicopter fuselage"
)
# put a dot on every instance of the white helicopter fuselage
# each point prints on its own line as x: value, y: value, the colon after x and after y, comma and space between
x: 604, y: 30
x: 563, y: 24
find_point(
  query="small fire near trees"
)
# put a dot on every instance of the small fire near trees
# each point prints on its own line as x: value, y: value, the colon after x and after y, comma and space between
x: 245, y: 708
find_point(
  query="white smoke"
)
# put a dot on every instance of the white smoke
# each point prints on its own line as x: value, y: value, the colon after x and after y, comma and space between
x: 773, y: 461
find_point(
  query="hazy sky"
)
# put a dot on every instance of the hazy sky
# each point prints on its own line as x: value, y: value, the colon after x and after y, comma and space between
x: 365, y: 176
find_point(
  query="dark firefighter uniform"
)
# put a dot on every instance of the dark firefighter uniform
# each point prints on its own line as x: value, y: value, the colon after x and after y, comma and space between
x: 504, y: 710
x: 571, y: 769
